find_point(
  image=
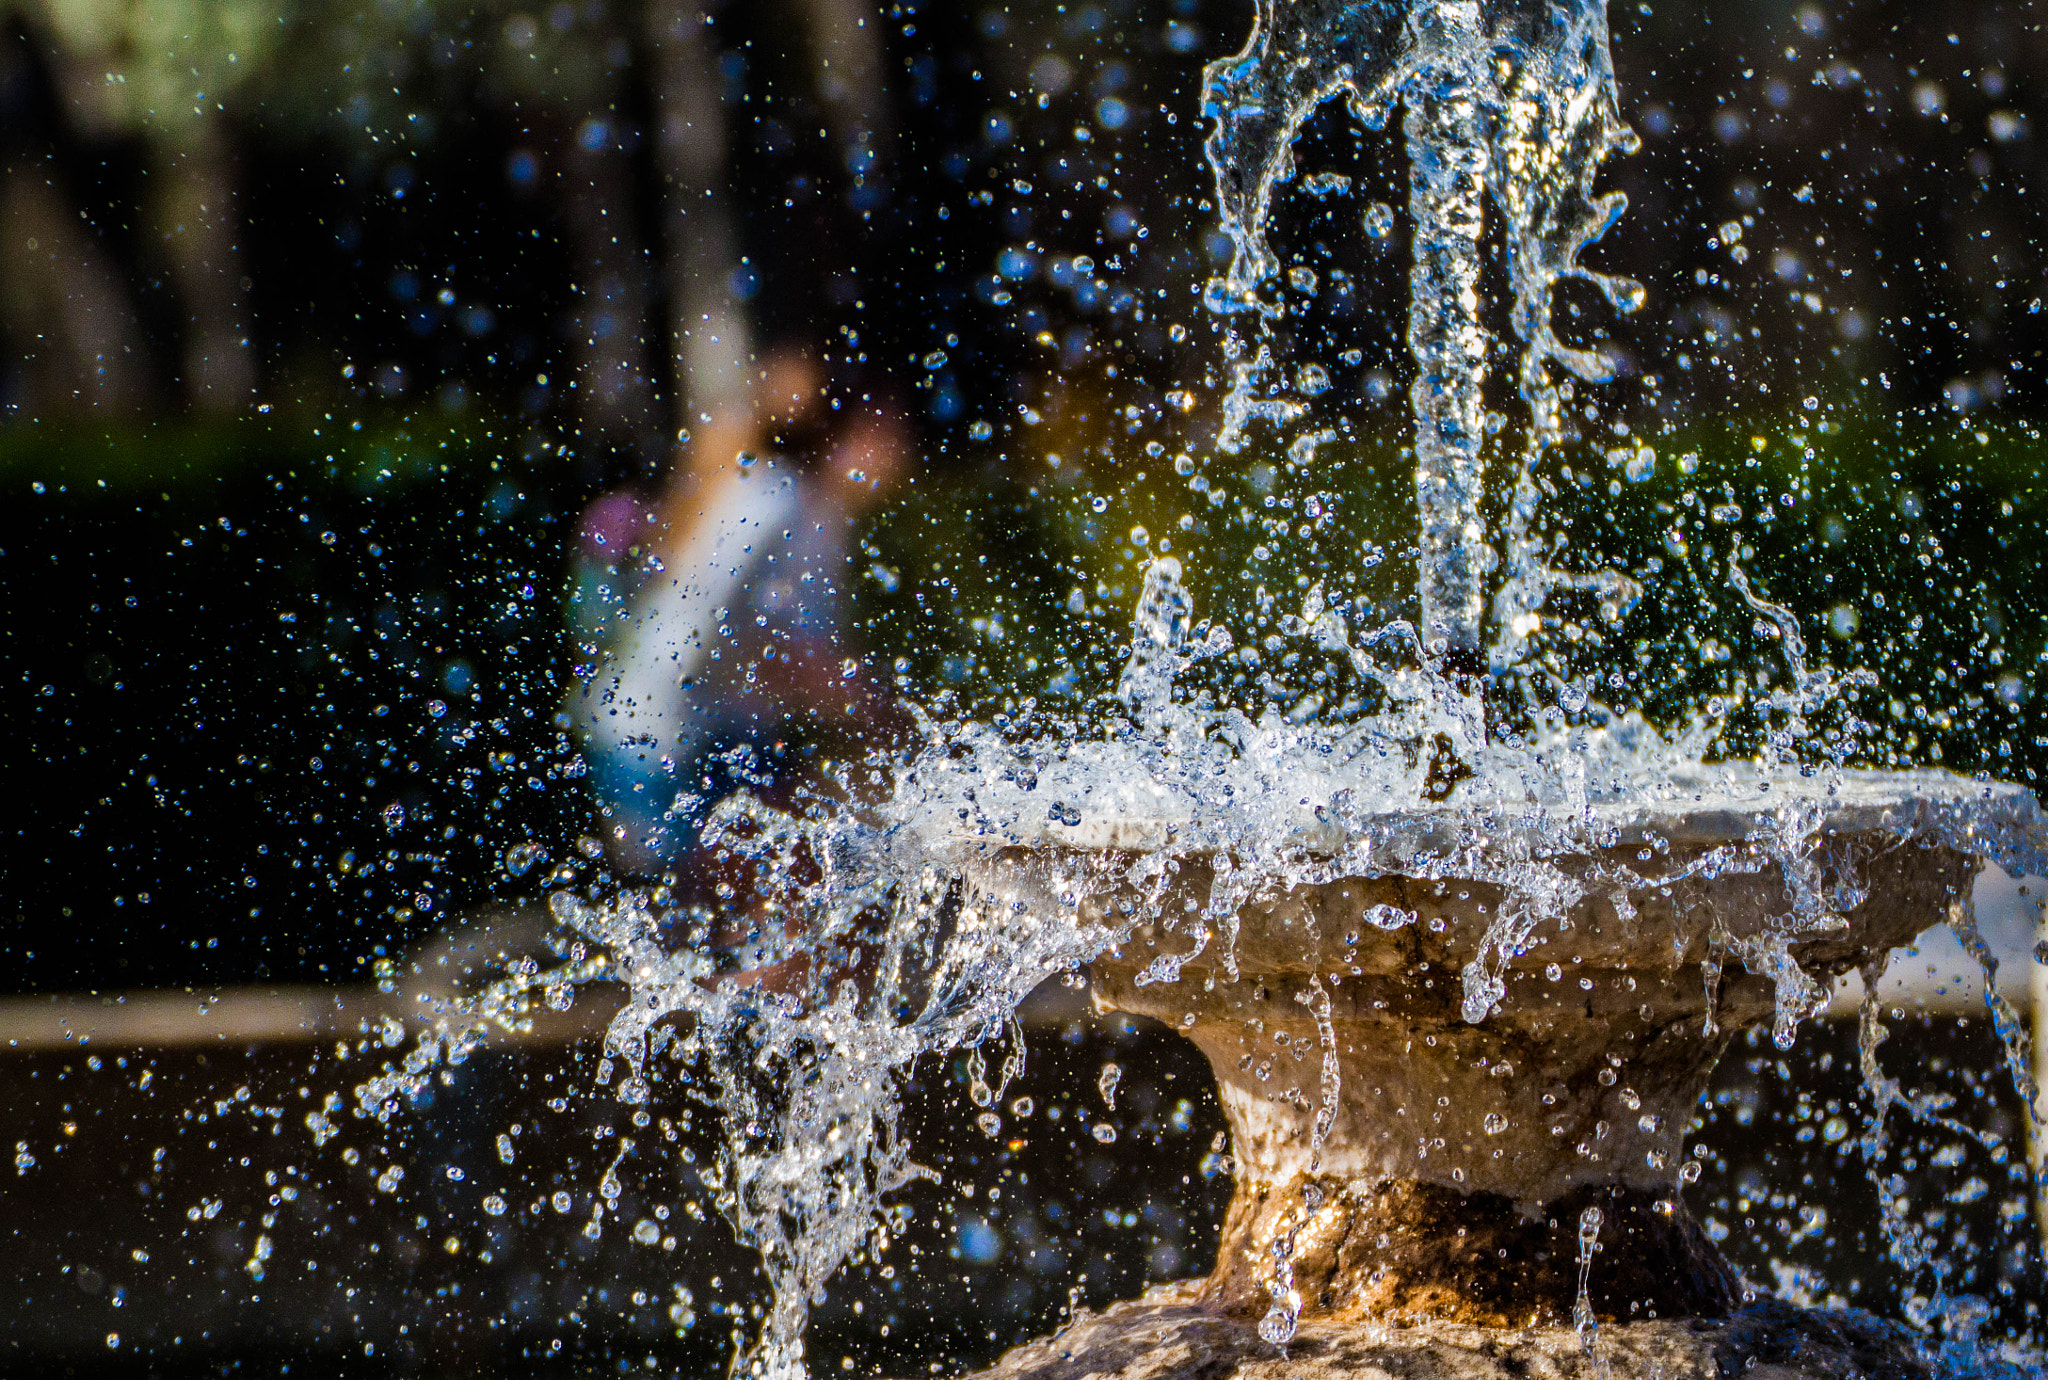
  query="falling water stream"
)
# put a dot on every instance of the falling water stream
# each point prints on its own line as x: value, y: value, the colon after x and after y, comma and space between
x: 896, y: 948
x: 1509, y: 107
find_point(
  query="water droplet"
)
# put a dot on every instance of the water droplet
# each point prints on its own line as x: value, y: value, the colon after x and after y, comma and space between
x: 1103, y: 1132
x: 1277, y: 1327
x: 1494, y: 1123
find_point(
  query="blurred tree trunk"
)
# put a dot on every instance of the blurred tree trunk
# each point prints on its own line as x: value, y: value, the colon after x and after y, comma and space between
x: 67, y: 313
x: 845, y: 42
x: 609, y: 332
x: 710, y: 344
x: 192, y: 209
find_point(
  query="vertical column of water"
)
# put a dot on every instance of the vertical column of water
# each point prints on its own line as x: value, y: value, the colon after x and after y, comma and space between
x: 1449, y: 165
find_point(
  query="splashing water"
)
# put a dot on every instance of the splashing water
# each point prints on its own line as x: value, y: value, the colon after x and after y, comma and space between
x: 1583, y: 1321
x: 991, y: 859
x: 888, y: 955
x: 1916, y: 1247
x: 1277, y: 1327
x: 917, y: 925
x: 1106, y: 1084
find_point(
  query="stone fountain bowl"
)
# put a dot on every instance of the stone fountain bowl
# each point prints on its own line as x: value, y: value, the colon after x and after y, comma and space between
x: 1401, y: 1164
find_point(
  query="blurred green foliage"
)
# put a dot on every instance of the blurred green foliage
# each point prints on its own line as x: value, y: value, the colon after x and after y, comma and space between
x: 1912, y: 545
x: 1916, y: 546
x: 161, y: 66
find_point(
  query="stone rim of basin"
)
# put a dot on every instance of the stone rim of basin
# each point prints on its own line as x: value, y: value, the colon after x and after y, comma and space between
x: 1993, y: 819
x: 1523, y: 1169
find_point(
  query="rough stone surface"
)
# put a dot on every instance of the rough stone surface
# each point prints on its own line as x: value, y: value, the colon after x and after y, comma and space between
x: 1404, y: 1252
x: 1167, y: 1335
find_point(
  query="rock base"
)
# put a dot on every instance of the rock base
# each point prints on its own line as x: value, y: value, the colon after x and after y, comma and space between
x: 1168, y: 1335
x: 1401, y: 1252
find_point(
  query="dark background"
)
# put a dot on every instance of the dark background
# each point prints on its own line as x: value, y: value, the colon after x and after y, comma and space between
x: 362, y: 1278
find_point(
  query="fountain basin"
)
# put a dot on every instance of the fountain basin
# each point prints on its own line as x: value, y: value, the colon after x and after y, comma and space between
x: 1458, y: 1164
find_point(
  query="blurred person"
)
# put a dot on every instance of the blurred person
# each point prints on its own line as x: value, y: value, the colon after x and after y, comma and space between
x: 734, y: 665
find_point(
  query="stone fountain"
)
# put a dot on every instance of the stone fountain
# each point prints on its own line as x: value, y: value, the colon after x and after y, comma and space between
x: 1459, y: 1034
x: 1462, y: 976
x: 1431, y: 1194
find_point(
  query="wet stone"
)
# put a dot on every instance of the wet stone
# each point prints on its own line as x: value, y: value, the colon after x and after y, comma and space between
x: 1169, y: 1335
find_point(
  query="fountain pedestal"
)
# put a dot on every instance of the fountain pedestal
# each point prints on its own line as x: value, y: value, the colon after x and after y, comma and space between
x: 1460, y: 1158
x: 1400, y: 1165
